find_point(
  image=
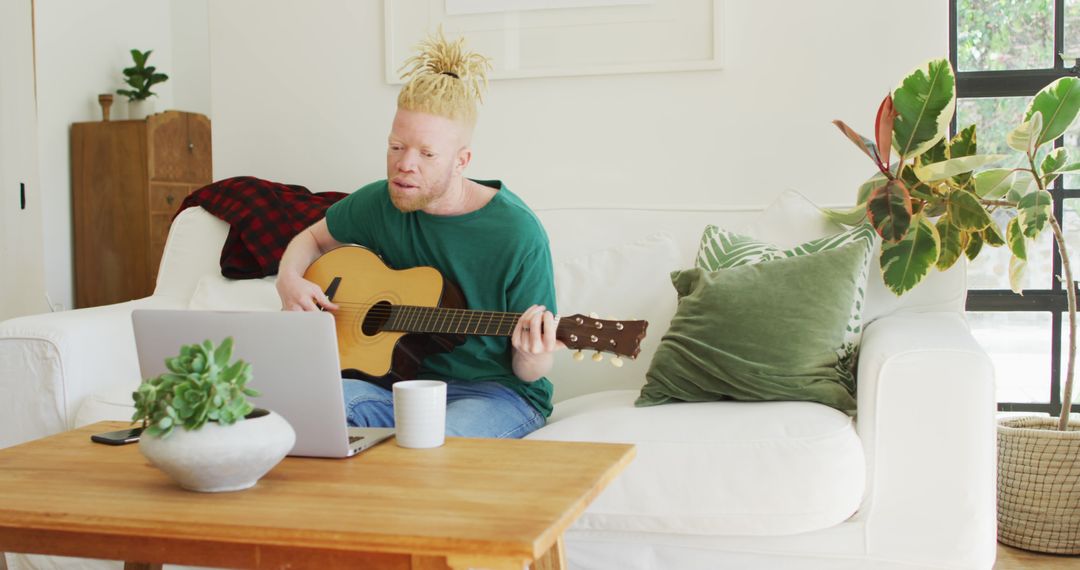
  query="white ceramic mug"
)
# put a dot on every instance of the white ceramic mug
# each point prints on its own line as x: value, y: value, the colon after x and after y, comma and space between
x: 420, y: 413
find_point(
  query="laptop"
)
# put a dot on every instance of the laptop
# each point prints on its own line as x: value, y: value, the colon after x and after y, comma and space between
x: 294, y: 361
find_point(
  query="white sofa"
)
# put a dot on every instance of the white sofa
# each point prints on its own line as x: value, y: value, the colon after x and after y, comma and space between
x: 910, y: 484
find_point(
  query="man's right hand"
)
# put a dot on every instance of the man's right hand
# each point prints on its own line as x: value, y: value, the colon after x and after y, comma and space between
x: 299, y: 294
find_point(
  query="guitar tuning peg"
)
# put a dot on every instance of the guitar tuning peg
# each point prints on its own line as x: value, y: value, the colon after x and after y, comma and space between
x: 578, y: 355
x: 616, y: 362
x: 597, y: 356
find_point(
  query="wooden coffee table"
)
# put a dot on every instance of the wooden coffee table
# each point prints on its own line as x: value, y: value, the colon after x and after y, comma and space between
x: 473, y: 503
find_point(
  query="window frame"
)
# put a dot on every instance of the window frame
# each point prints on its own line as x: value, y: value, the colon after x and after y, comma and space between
x: 1019, y: 83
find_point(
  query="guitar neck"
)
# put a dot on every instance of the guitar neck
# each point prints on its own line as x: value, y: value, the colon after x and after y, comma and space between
x: 439, y: 320
x: 575, y: 331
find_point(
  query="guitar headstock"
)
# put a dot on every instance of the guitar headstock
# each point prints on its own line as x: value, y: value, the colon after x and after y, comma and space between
x: 590, y: 333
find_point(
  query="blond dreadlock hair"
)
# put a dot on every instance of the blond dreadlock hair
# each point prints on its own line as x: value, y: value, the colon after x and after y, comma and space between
x: 444, y: 79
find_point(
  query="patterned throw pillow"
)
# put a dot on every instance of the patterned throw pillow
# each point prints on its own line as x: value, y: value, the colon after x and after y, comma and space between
x: 721, y: 249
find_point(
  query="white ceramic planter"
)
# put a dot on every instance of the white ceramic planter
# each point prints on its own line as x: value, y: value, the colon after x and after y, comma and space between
x: 219, y: 458
x: 140, y: 109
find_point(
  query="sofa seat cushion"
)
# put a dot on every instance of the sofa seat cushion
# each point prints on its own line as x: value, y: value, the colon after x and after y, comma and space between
x: 718, y: 468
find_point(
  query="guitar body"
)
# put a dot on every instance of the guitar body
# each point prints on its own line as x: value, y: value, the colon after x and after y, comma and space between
x: 366, y: 286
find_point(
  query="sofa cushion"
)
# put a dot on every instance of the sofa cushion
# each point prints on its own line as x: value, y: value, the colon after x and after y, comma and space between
x: 629, y: 281
x: 769, y: 331
x: 722, y: 249
x: 217, y: 293
x: 790, y: 219
x: 718, y: 468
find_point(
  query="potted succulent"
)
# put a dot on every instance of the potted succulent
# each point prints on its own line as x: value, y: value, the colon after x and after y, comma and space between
x: 141, y: 78
x: 200, y: 428
x: 931, y: 207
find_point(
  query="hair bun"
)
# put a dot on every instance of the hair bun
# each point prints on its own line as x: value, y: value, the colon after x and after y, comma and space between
x: 446, y: 61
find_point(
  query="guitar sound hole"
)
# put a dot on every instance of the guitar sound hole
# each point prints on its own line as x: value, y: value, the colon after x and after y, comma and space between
x: 376, y: 318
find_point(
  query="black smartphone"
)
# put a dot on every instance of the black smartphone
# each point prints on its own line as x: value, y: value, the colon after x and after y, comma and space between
x: 118, y: 437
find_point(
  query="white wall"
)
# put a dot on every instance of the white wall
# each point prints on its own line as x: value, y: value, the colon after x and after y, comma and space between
x: 189, y: 73
x: 81, y: 49
x: 298, y: 97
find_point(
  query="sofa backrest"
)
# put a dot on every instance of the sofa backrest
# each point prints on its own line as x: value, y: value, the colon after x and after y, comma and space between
x: 611, y: 261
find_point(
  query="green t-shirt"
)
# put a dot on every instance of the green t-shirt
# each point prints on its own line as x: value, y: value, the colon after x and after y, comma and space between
x: 498, y: 256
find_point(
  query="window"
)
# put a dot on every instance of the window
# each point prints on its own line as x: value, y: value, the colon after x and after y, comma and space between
x: 1005, y: 51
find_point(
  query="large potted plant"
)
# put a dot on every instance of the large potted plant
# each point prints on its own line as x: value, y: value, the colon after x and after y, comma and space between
x: 934, y: 200
x: 223, y: 442
x: 141, y: 77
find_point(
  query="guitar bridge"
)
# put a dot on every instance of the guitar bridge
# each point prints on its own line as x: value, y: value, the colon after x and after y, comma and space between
x: 332, y: 289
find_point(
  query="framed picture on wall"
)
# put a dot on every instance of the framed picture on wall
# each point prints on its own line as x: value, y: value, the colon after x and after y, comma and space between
x: 548, y: 38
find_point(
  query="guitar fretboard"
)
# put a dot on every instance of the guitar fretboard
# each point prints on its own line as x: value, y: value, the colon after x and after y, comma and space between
x: 414, y: 319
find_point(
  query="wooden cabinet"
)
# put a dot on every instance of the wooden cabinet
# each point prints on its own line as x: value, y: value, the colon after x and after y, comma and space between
x: 127, y: 180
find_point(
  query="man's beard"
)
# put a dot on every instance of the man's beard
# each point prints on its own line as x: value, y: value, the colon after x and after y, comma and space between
x: 413, y: 200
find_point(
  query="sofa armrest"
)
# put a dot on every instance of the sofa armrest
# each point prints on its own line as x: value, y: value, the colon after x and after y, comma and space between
x: 926, y: 420
x: 49, y: 363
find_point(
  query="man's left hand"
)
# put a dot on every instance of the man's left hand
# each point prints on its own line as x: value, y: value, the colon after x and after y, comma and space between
x: 535, y: 332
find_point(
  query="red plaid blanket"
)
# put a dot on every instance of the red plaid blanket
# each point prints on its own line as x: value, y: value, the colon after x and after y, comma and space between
x: 264, y: 216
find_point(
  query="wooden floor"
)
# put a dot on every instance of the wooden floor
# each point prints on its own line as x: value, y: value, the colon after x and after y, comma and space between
x: 1009, y: 558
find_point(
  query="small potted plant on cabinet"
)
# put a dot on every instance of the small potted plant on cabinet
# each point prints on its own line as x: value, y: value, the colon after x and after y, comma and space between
x: 141, y: 78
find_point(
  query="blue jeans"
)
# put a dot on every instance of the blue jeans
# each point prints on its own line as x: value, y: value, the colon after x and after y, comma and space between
x: 473, y: 409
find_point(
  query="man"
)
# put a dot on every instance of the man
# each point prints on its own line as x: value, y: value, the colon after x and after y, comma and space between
x: 478, y: 234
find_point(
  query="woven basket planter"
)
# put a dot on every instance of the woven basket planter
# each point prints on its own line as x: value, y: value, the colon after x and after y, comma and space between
x: 1039, y: 485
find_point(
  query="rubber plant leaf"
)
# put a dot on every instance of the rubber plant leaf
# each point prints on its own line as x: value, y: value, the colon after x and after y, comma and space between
x: 1017, y: 268
x: 951, y: 243
x: 876, y: 181
x: 1058, y: 103
x: 1024, y: 138
x: 992, y: 235
x: 864, y: 144
x: 889, y: 210
x: 994, y: 183
x: 966, y: 212
x: 974, y: 246
x: 954, y: 166
x: 886, y: 115
x: 924, y: 103
x: 849, y: 217
x: 963, y: 144
x: 905, y: 263
x: 1015, y: 237
x: 1034, y: 212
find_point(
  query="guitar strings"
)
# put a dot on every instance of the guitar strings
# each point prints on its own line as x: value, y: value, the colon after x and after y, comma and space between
x: 384, y: 309
x: 420, y: 317
x: 430, y: 311
x: 433, y: 316
x: 417, y: 311
x: 406, y: 307
x: 413, y: 312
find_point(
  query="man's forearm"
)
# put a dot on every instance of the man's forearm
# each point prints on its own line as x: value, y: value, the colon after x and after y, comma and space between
x: 298, y: 256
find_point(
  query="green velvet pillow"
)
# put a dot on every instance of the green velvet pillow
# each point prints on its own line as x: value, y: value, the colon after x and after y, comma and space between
x: 722, y: 249
x: 767, y: 331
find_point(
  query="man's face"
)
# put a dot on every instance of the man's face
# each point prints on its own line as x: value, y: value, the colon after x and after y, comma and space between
x: 422, y: 157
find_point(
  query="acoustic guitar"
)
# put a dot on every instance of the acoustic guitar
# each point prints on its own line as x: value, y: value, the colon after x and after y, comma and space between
x: 389, y: 320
